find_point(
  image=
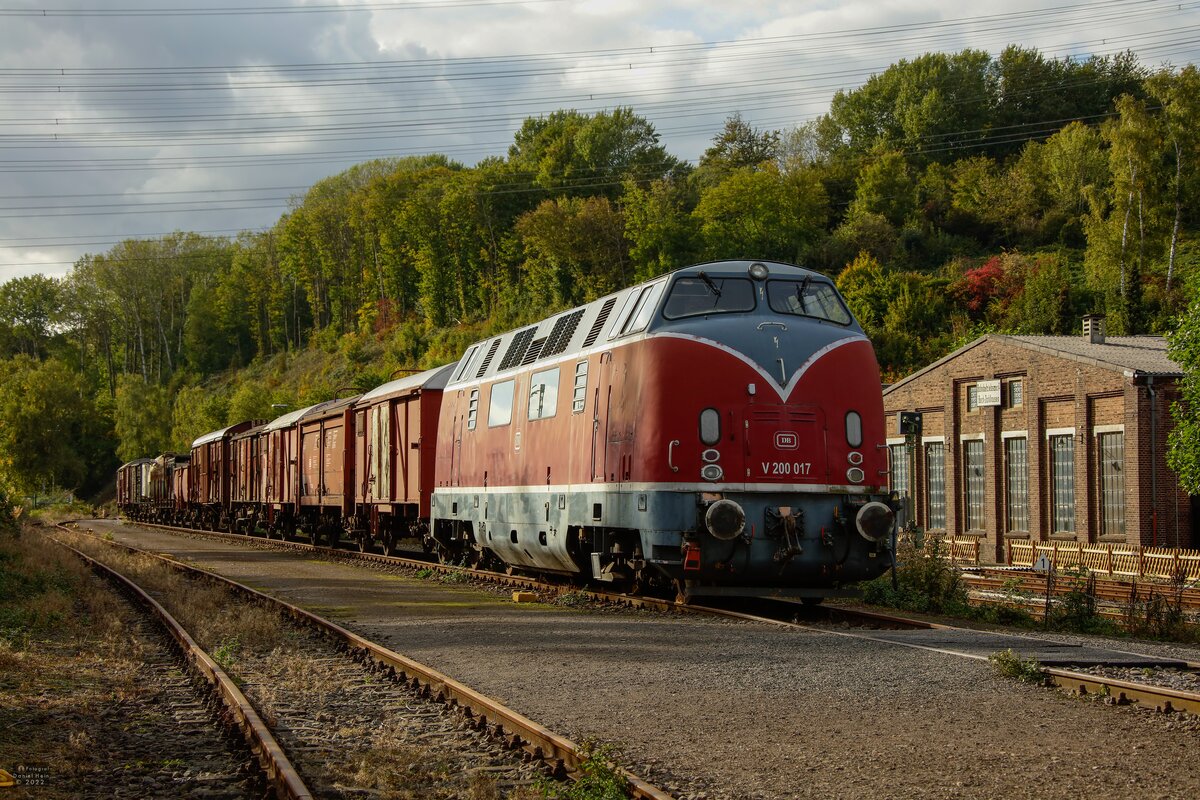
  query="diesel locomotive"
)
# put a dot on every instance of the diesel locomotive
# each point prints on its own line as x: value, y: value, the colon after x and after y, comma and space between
x: 714, y: 431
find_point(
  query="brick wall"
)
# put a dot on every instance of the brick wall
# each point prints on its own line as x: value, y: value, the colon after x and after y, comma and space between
x: 1059, y: 395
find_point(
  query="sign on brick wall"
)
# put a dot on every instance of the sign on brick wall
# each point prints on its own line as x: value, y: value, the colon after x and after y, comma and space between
x: 989, y: 393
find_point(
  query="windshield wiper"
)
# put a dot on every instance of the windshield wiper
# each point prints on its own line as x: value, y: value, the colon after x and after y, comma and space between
x: 712, y: 287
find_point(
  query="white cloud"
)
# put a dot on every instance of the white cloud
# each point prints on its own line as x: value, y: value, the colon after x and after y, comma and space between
x: 457, y: 86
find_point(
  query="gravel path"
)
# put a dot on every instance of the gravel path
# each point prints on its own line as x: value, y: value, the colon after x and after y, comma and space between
x: 717, y: 709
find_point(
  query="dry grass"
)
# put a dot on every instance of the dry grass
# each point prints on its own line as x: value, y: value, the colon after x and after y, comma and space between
x: 66, y: 654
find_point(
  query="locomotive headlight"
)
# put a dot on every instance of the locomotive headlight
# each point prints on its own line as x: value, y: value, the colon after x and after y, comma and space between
x: 874, y: 521
x: 726, y: 520
x: 712, y: 472
x: 759, y: 271
x: 855, y: 475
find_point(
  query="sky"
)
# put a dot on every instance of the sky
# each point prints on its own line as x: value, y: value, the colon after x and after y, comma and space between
x: 136, y: 118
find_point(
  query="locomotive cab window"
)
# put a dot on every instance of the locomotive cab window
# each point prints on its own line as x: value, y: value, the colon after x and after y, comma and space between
x: 703, y: 294
x: 854, y: 436
x: 543, y: 394
x: 500, y: 404
x: 807, y: 298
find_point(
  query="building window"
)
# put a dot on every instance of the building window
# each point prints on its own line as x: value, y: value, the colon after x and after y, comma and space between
x: 472, y: 409
x: 972, y: 397
x: 935, y: 486
x: 1016, y: 478
x: 898, y: 465
x: 500, y: 404
x: 1062, y: 482
x: 543, y: 394
x: 973, y: 484
x: 1016, y: 393
x: 1112, y: 484
x: 899, y: 479
x: 579, y: 398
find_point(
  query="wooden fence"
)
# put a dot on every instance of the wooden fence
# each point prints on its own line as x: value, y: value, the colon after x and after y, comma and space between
x: 1122, y: 560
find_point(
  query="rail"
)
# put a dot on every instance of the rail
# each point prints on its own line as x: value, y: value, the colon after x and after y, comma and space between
x: 279, y: 770
x: 561, y: 754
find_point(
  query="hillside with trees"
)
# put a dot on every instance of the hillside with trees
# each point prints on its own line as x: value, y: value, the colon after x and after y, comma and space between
x: 949, y: 196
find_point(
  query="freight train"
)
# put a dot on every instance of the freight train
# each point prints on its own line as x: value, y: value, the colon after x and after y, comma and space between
x: 715, y: 431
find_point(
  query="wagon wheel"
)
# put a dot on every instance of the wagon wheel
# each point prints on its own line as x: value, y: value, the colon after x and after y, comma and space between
x: 314, y: 537
x: 364, y: 542
x: 389, y: 543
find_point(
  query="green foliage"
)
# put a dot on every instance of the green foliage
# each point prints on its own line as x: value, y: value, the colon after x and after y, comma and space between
x: 1183, y: 452
x: 598, y: 778
x: 1076, y: 610
x: 917, y: 187
x: 51, y: 433
x: 926, y: 581
x: 762, y: 213
x: 1008, y: 664
x: 141, y: 417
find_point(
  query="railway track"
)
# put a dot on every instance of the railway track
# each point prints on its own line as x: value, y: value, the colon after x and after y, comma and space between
x: 392, y: 681
x: 236, y: 709
x: 876, y: 626
x: 986, y: 584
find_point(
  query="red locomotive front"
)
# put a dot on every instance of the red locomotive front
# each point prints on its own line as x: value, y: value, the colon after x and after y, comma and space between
x: 720, y: 428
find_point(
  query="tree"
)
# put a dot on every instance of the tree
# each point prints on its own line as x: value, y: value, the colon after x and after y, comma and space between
x: 885, y: 187
x: 141, y: 417
x: 1179, y: 95
x: 737, y: 146
x: 30, y: 307
x: 662, y: 233
x: 575, y: 251
x: 48, y: 426
x: 762, y: 214
x: 1183, y: 452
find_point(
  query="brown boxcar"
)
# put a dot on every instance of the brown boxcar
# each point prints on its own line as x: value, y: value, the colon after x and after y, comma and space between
x: 133, y: 485
x: 326, y: 468
x: 183, y: 497
x: 395, y: 428
x: 247, y: 452
x: 211, y: 475
x: 162, y: 485
x: 281, y: 486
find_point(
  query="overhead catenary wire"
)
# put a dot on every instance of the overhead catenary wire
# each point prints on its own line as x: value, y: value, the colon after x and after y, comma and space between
x: 681, y: 109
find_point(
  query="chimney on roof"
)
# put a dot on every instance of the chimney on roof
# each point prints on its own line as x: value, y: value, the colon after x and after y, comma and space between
x: 1093, y: 328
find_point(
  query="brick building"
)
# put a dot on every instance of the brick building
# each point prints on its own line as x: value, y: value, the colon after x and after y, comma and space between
x: 1043, y: 437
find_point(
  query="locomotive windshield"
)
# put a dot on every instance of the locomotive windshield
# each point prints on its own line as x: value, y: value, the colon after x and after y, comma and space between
x: 807, y: 298
x: 708, y: 295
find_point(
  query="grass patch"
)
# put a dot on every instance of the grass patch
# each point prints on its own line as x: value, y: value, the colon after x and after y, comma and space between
x: 599, y: 778
x: 925, y: 581
x: 573, y: 600
x: 1008, y: 664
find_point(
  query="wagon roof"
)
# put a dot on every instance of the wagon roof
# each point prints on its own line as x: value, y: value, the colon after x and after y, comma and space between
x: 436, y: 378
x: 288, y: 418
x: 328, y: 407
x: 136, y: 461
x: 211, y: 437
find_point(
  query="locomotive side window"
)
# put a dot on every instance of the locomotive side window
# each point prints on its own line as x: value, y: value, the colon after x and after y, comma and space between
x: 853, y: 429
x: 466, y: 362
x: 472, y: 409
x: 807, y: 298
x: 579, y: 399
x: 639, y: 318
x: 500, y: 404
x: 710, y: 426
x: 692, y: 297
x: 543, y: 394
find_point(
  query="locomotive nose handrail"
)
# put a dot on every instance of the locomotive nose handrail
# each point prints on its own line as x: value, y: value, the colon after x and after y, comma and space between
x: 762, y: 325
x: 671, y: 455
